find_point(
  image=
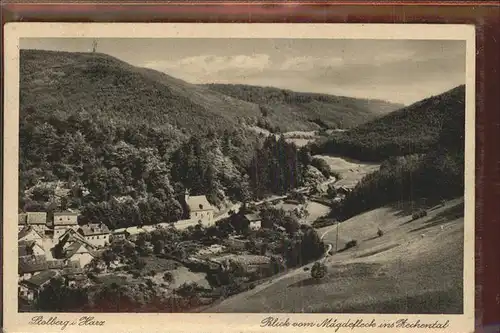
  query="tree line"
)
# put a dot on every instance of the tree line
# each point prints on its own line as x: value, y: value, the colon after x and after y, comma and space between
x: 132, y: 174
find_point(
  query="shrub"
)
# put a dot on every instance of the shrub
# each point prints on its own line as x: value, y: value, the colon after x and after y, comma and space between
x: 419, y: 214
x: 168, y: 277
x: 318, y: 270
x: 380, y: 233
x: 350, y: 244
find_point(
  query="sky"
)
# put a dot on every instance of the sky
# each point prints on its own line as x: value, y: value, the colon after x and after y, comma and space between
x: 400, y: 71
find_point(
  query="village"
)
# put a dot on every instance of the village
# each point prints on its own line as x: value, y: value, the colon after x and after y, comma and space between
x: 54, y: 245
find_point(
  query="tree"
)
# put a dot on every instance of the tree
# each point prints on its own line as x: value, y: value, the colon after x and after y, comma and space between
x: 168, y: 277
x: 158, y: 246
x: 332, y: 191
x: 57, y: 297
x: 318, y: 270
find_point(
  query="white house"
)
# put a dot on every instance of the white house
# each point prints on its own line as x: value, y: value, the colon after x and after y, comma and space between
x: 95, y: 233
x: 28, y: 233
x: 79, y: 252
x: 63, y: 221
x: 200, y: 210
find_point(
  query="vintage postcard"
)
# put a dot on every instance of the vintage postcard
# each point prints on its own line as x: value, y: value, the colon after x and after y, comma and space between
x: 239, y: 177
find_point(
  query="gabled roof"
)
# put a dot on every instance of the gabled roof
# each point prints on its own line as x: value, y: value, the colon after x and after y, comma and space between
x: 36, y: 218
x: 72, y: 236
x: 94, y: 229
x: 40, y: 279
x: 26, y: 231
x: 24, y: 247
x: 198, y: 203
x: 72, y: 271
x: 30, y: 264
x: 73, y: 248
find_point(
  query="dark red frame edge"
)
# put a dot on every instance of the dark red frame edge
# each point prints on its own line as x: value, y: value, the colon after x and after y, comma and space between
x: 485, y: 17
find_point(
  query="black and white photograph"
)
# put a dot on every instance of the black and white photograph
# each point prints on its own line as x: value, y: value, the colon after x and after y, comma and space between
x: 241, y: 175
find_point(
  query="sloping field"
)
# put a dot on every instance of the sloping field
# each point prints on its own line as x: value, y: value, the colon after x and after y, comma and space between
x: 351, y: 172
x: 415, y: 267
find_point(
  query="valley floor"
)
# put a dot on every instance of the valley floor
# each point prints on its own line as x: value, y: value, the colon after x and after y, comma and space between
x: 415, y: 267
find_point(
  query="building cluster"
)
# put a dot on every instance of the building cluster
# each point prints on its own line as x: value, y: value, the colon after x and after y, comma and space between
x: 56, y: 245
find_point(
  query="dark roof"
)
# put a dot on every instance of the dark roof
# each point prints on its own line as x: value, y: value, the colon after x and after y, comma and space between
x: 40, y: 279
x: 72, y: 236
x: 252, y: 217
x: 36, y: 217
x: 25, y: 231
x: 94, y: 229
x: 30, y: 264
x: 73, y: 248
x: 72, y: 271
x: 55, y: 264
x: 23, y: 247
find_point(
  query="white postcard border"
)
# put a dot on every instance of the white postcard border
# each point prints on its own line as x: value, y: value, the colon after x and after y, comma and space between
x: 207, y: 322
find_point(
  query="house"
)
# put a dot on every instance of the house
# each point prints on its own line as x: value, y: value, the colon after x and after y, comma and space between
x: 63, y: 221
x: 28, y: 233
x: 120, y: 233
x: 200, y: 210
x: 30, y: 266
x: 38, y: 220
x: 254, y: 221
x: 29, y: 248
x: 95, y: 233
x: 30, y: 288
x: 79, y: 252
x: 133, y: 232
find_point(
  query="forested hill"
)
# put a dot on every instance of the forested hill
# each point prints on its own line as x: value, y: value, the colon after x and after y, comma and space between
x: 66, y: 83
x: 286, y: 110
x: 122, y: 144
x: 410, y: 130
